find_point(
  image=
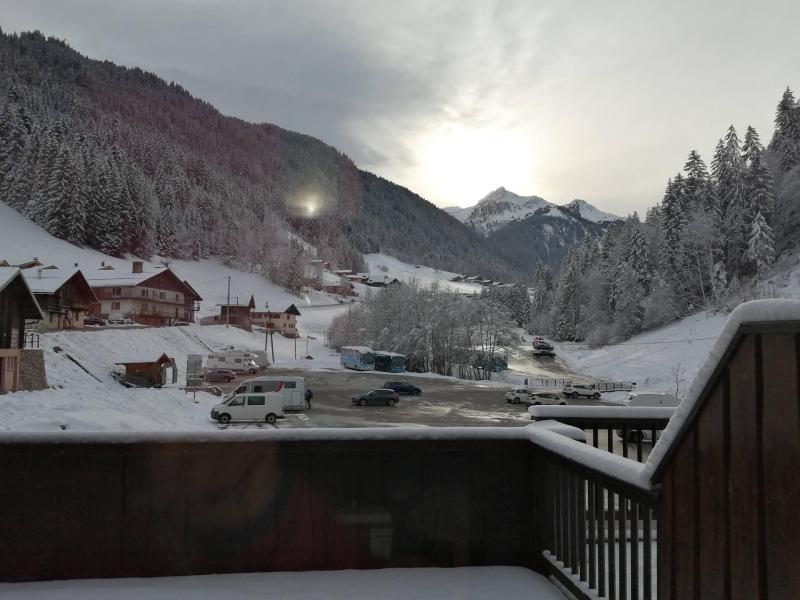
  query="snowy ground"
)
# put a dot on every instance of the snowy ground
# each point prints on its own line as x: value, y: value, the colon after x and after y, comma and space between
x: 466, y: 583
x: 653, y: 359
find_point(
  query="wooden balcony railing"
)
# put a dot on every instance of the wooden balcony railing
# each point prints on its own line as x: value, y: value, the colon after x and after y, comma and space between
x: 612, y: 428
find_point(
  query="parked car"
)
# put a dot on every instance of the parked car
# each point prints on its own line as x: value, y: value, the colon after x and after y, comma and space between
x: 575, y: 390
x: 95, y: 321
x: 402, y: 387
x: 249, y: 407
x: 541, y: 353
x: 517, y: 395
x: 379, y: 397
x: 541, y: 345
x: 647, y: 399
x: 537, y: 398
x: 181, y: 323
x: 225, y: 375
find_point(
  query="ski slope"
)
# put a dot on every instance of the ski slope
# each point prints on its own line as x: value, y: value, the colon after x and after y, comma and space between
x: 653, y: 359
x: 422, y: 275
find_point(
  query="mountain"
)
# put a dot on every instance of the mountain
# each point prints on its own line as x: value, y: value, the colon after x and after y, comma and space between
x: 502, y: 207
x: 119, y: 160
x: 523, y: 230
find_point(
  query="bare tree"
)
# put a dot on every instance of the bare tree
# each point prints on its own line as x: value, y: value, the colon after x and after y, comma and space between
x: 678, y: 372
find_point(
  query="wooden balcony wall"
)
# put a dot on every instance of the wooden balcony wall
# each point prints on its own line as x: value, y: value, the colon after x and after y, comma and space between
x: 731, y: 490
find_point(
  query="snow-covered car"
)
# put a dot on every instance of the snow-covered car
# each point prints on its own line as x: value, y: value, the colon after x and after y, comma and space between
x: 517, y: 395
x: 94, y: 321
x: 537, y: 398
x: 543, y: 353
x: 574, y: 390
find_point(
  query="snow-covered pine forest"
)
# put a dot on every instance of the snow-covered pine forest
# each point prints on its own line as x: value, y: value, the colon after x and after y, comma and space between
x: 709, y: 243
x: 439, y: 330
x: 121, y: 161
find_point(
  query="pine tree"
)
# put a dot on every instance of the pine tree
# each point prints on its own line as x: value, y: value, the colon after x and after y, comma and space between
x: 63, y: 214
x: 696, y: 182
x: 786, y: 140
x: 761, y: 245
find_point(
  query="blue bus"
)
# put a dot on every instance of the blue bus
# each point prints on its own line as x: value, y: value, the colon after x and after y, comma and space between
x: 359, y: 358
x: 391, y: 362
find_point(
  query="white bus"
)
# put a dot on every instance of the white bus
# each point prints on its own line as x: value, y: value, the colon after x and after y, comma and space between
x: 359, y: 358
x: 292, y: 390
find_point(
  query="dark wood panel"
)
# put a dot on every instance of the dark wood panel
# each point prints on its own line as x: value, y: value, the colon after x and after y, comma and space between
x: 743, y: 484
x: 89, y: 532
x: 781, y: 463
x: 712, y: 485
x: 684, y: 497
x: 167, y: 515
x: 666, y: 539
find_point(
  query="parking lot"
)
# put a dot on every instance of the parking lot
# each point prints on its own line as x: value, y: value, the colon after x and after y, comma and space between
x: 444, y: 402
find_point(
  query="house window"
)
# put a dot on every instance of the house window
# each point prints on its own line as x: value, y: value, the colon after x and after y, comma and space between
x: 115, y: 291
x: 11, y: 363
x: 178, y: 297
x: 115, y: 306
x: 161, y: 295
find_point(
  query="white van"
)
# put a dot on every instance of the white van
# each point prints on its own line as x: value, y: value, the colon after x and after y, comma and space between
x: 235, y: 361
x: 249, y: 407
x: 291, y: 390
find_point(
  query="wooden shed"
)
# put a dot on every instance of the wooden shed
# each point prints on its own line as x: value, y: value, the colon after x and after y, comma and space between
x: 149, y: 370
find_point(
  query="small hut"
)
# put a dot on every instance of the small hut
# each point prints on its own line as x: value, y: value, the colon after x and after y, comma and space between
x: 149, y: 370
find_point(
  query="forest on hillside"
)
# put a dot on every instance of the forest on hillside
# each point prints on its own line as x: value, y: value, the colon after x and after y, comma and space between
x: 119, y: 160
x: 710, y: 242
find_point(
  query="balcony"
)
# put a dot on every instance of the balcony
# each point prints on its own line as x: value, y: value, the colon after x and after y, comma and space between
x: 711, y: 513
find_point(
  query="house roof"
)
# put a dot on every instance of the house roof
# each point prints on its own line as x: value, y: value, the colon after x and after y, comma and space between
x: 101, y: 278
x: 7, y: 276
x: 51, y: 281
x: 152, y: 357
x: 292, y: 310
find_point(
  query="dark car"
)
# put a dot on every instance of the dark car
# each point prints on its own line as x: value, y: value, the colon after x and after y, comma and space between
x: 380, y: 397
x: 401, y: 387
x: 96, y: 321
x: 220, y: 375
x: 540, y: 353
x: 542, y: 346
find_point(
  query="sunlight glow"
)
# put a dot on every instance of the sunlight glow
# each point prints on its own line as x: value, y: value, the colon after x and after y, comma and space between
x: 463, y: 163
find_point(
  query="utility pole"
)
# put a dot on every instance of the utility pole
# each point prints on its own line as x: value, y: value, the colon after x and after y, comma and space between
x: 228, y: 305
x: 295, y: 347
x: 307, y: 336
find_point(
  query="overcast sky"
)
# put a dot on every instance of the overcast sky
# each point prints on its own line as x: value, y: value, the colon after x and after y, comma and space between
x: 562, y: 99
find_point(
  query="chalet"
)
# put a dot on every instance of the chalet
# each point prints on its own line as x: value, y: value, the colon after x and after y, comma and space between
x: 149, y: 370
x: 473, y: 279
x: 284, y: 322
x: 334, y: 284
x: 65, y: 297
x: 382, y: 281
x: 343, y: 272
x: 17, y: 304
x: 312, y: 273
x: 357, y: 277
x: 150, y: 298
x: 457, y: 278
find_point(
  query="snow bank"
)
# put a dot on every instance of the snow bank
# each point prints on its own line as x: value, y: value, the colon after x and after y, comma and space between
x: 602, y: 412
x: 758, y: 311
x: 464, y: 583
x: 579, y: 435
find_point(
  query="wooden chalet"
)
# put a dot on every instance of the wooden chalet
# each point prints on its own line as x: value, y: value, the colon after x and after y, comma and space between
x: 157, y: 297
x: 284, y: 322
x: 149, y: 370
x: 17, y: 304
x: 65, y: 297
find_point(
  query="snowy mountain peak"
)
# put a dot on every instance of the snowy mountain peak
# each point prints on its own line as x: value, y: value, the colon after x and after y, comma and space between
x: 590, y: 212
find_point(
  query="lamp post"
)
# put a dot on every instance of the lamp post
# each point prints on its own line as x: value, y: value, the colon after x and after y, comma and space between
x: 269, y: 334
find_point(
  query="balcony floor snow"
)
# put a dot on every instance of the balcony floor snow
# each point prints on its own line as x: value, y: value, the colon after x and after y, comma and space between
x: 466, y: 583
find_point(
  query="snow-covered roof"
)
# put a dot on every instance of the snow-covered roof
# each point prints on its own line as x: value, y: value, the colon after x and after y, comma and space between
x: 9, y: 274
x: 49, y: 281
x: 362, y: 349
x: 330, y: 279
x: 118, y: 278
x: 6, y: 275
x: 391, y: 354
x: 145, y: 357
x: 757, y: 311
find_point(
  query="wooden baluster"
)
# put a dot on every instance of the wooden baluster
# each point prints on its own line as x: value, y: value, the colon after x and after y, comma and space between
x: 623, y: 548
x: 580, y: 538
x: 647, y: 536
x: 600, y: 494
x: 624, y: 442
x: 634, y: 550
x: 612, y: 546
x: 592, y: 505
